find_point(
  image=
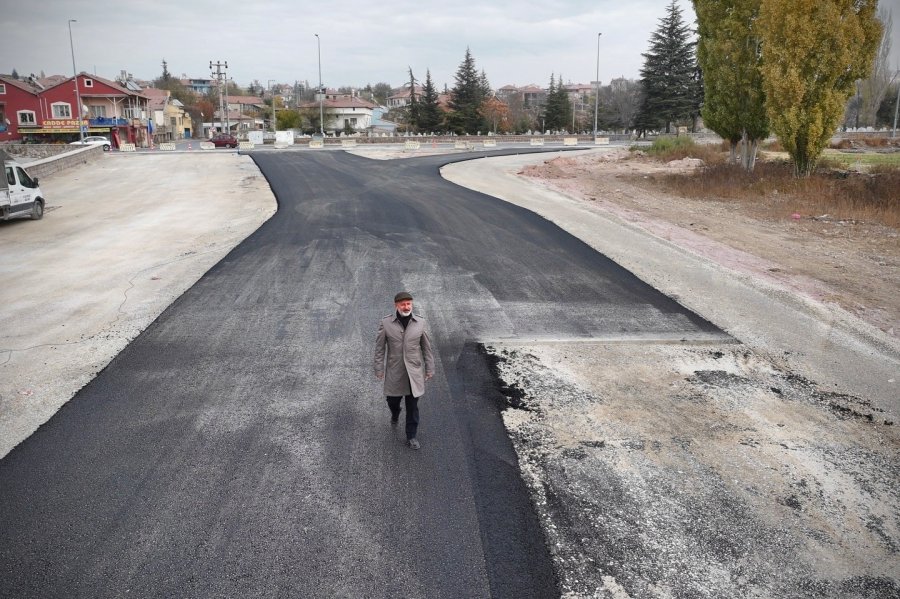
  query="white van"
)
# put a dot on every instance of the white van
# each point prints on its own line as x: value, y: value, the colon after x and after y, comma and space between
x: 19, y: 193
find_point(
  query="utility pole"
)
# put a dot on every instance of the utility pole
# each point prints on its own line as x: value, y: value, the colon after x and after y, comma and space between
x: 77, y: 93
x: 219, y: 75
x: 321, y: 91
x: 597, y: 87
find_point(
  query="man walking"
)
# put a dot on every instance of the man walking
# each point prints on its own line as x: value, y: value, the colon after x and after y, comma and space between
x: 404, y: 361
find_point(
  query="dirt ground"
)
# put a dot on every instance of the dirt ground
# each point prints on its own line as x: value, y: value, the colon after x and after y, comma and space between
x: 855, y: 265
x: 764, y: 468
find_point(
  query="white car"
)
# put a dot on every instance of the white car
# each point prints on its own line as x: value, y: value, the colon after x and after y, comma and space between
x: 93, y: 140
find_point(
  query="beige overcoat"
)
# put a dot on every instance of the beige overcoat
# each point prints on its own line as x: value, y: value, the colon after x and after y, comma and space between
x: 403, y: 356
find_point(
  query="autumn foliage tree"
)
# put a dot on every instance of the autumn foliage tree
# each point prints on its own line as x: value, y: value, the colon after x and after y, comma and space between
x: 813, y: 52
x: 496, y: 113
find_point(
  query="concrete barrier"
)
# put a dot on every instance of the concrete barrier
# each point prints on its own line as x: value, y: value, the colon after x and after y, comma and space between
x: 411, y: 145
x: 601, y: 141
x: 126, y: 148
x: 460, y: 145
x: 570, y: 141
x: 349, y: 143
x: 207, y: 145
x: 246, y: 145
x: 537, y: 141
x: 167, y: 147
x: 280, y: 145
x: 490, y: 143
x: 317, y: 144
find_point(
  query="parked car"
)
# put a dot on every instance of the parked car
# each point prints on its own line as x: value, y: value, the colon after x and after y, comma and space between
x: 19, y: 193
x: 94, y: 140
x: 223, y: 140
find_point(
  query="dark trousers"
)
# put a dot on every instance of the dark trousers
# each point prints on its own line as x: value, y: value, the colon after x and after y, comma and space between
x: 412, y: 412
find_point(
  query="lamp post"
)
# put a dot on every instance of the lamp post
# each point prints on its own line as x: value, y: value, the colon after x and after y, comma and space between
x: 75, y: 77
x: 321, y: 93
x: 272, y: 92
x: 596, y: 83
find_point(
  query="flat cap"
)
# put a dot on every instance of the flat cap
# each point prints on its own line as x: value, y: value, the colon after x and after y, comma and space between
x: 403, y: 295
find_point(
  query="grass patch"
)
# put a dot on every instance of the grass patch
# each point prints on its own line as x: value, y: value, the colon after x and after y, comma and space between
x: 773, y: 192
x: 868, y: 159
x: 670, y: 148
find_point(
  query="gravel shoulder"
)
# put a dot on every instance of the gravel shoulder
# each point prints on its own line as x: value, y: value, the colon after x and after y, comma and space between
x: 121, y: 239
x: 766, y: 468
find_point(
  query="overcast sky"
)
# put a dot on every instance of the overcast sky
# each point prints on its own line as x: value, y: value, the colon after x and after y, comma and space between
x: 513, y: 41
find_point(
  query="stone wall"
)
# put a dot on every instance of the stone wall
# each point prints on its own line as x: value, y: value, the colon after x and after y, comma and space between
x: 43, y: 167
x: 35, y: 151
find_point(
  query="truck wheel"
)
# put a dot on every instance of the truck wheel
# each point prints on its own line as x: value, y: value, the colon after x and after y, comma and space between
x: 37, y: 211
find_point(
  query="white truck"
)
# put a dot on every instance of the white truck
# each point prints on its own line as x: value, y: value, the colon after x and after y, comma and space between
x: 19, y: 192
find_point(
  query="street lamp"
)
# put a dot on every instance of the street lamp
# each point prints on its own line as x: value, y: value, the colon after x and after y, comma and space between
x: 596, y: 83
x: 321, y: 94
x: 75, y: 77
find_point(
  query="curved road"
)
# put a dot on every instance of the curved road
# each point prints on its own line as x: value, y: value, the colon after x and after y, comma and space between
x: 240, y: 446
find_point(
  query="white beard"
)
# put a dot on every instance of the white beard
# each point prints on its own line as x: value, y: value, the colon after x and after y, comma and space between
x: 404, y: 314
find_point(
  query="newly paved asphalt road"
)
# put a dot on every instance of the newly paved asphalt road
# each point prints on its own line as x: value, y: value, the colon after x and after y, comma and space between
x: 241, y: 447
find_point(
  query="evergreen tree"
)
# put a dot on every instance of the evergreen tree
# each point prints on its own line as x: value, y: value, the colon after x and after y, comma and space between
x: 558, y: 108
x: 484, y: 85
x: 729, y: 53
x: 813, y: 53
x: 466, y: 97
x: 548, y: 114
x: 412, y: 114
x: 563, y: 107
x: 15, y: 74
x: 669, y: 75
x: 429, y: 111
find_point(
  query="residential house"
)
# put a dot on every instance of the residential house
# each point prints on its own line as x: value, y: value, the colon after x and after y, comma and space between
x: 246, y: 113
x: 402, y: 96
x: 19, y: 105
x: 170, y: 120
x: 507, y: 91
x: 52, y: 114
x: 200, y: 87
x: 531, y: 96
x: 579, y: 93
x: 345, y: 111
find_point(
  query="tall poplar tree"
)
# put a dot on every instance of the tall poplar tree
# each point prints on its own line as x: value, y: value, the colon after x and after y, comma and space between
x: 813, y: 52
x: 669, y: 75
x: 728, y: 51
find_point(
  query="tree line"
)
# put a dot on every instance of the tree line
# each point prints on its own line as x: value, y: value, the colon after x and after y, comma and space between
x: 788, y: 67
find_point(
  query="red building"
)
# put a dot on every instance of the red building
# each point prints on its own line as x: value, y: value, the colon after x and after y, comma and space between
x: 30, y: 112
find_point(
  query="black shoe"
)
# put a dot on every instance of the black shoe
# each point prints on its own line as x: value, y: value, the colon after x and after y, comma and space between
x: 413, y: 444
x: 394, y: 422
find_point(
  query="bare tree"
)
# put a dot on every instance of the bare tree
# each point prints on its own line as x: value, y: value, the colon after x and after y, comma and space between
x: 876, y: 85
x: 622, y: 99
